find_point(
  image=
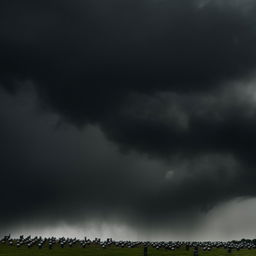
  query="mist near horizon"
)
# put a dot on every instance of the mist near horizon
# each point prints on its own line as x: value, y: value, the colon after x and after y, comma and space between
x: 232, y: 221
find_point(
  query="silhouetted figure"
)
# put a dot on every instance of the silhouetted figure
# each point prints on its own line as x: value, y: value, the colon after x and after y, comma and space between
x: 196, y: 251
x: 145, y: 251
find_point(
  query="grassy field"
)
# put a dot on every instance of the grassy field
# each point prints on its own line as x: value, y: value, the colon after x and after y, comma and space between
x: 94, y: 250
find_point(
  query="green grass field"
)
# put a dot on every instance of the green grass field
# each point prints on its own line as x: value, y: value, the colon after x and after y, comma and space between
x: 94, y: 250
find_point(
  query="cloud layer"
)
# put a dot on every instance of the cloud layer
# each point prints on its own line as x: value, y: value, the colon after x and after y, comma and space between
x: 163, y: 96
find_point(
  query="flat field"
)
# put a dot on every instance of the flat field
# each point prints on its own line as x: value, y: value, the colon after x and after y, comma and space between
x: 95, y: 250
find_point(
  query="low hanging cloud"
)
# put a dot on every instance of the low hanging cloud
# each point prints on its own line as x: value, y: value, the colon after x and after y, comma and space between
x: 162, y: 91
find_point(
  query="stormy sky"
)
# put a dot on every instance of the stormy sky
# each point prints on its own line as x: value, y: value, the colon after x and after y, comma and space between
x: 131, y: 119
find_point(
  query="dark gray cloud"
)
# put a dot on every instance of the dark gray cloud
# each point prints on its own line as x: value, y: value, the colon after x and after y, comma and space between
x: 162, y: 94
x: 87, y: 59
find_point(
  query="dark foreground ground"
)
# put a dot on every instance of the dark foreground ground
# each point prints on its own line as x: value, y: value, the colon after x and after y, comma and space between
x: 38, y: 246
x: 95, y: 250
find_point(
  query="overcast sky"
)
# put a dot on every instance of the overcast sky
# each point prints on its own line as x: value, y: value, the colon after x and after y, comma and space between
x: 131, y: 119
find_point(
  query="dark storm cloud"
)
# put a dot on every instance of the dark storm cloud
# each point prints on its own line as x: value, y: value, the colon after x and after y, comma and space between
x: 171, y: 80
x: 87, y: 58
x: 52, y: 172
